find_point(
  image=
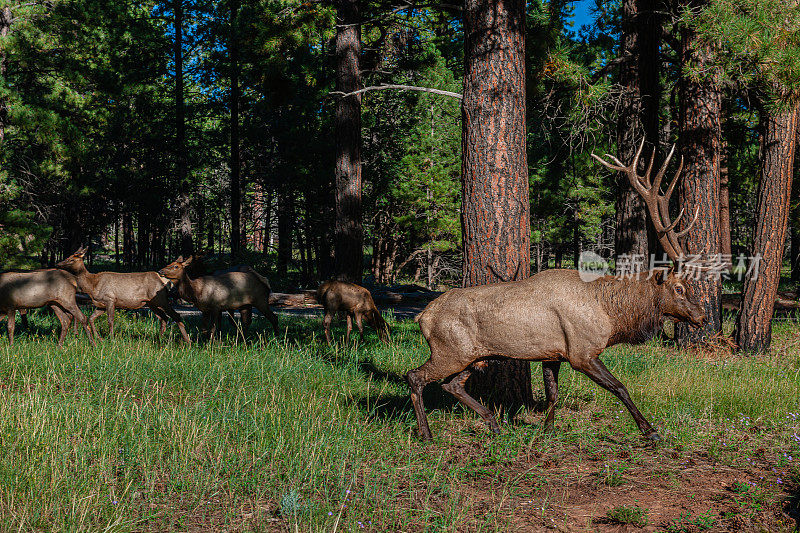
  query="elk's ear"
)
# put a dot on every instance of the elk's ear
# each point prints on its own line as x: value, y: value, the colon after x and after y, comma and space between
x: 81, y: 252
x: 188, y: 260
x: 179, y: 259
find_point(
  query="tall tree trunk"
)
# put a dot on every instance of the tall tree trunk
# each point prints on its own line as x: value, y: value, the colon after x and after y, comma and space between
x: 116, y: 241
x: 349, y: 230
x: 754, y: 323
x: 127, y: 240
x: 266, y: 239
x: 285, y: 218
x: 631, y: 219
x: 6, y: 18
x: 649, y: 26
x: 700, y: 139
x: 184, y: 200
x: 236, y: 160
x: 795, y: 248
x: 496, y: 209
x: 724, y: 206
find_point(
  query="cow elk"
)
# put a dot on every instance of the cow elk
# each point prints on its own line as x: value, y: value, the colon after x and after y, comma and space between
x: 555, y: 316
x: 109, y: 291
x: 240, y: 290
x: 49, y: 287
x: 356, y: 303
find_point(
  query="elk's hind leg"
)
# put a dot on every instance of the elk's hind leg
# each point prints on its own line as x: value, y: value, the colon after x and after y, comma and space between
x: 597, y: 371
x: 550, y: 370
x: 72, y: 308
x: 12, y: 316
x: 456, y: 387
x: 441, y: 365
x: 110, y: 317
x: 327, y: 324
x: 97, y: 313
x: 64, y: 319
x: 162, y: 318
x: 173, y: 314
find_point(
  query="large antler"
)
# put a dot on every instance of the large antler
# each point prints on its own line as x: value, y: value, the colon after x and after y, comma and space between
x: 657, y: 203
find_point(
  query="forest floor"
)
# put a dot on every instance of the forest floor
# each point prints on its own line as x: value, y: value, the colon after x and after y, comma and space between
x: 287, y: 434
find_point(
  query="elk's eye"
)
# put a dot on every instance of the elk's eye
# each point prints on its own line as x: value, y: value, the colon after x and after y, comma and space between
x: 679, y: 290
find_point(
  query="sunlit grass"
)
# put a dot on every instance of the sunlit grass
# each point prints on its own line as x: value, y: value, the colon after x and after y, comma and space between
x: 142, y: 433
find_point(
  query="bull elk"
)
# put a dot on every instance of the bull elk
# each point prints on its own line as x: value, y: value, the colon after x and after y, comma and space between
x: 554, y: 317
x: 40, y: 288
x: 242, y: 290
x: 356, y: 303
x: 109, y: 291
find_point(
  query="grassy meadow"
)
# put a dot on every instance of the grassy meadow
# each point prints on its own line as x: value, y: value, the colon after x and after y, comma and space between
x: 288, y: 434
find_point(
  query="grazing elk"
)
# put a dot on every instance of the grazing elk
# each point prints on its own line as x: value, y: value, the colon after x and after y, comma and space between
x: 556, y: 316
x: 240, y: 290
x: 356, y: 302
x: 109, y: 291
x: 49, y: 287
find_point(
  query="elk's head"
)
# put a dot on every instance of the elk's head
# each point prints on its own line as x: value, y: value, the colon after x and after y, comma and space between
x: 174, y: 270
x: 677, y: 299
x: 74, y: 263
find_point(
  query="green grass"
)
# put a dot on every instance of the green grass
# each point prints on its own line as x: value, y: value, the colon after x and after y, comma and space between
x: 624, y: 514
x: 287, y: 433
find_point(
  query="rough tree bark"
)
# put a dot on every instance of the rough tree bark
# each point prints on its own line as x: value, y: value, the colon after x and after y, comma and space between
x: 795, y: 216
x: 496, y: 208
x: 236, y: 160
x: 631, y: 220
x: 184, y: 199
x: 724, y: 206
x: 649, y: 26
x: 754, y: 323
x: 349, y: 233
x: 700, y: 141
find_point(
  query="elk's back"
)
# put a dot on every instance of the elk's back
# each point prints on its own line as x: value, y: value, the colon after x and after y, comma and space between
x: 545, y: 317
x: 21, y: 290
x: 233, y: 290
x: 127, y: 289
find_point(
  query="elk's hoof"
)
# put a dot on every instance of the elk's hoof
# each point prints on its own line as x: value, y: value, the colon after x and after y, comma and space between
x: 653, y: 437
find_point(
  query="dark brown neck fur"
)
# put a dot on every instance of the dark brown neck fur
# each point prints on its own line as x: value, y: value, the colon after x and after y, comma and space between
x: 633, y: 305
x: 186, y: 287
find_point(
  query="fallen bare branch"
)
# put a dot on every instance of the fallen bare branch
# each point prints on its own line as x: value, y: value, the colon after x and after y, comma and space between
x: 400, y: 87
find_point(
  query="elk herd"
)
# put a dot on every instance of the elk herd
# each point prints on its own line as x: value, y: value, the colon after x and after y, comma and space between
x: 552, y: 317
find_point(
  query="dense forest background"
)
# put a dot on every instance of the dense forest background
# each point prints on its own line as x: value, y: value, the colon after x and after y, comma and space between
x: 151, y: 129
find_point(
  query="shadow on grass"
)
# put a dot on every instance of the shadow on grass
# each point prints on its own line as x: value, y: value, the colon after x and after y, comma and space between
x: 793, y: 504
x: 398, y: 407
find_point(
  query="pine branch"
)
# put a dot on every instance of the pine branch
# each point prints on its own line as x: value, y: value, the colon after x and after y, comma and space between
x: 396, y: 86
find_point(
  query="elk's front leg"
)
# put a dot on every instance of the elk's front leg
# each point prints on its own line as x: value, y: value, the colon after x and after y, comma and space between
x: 456, y: 387
x: 597, y: 371
x: 550, y: 370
